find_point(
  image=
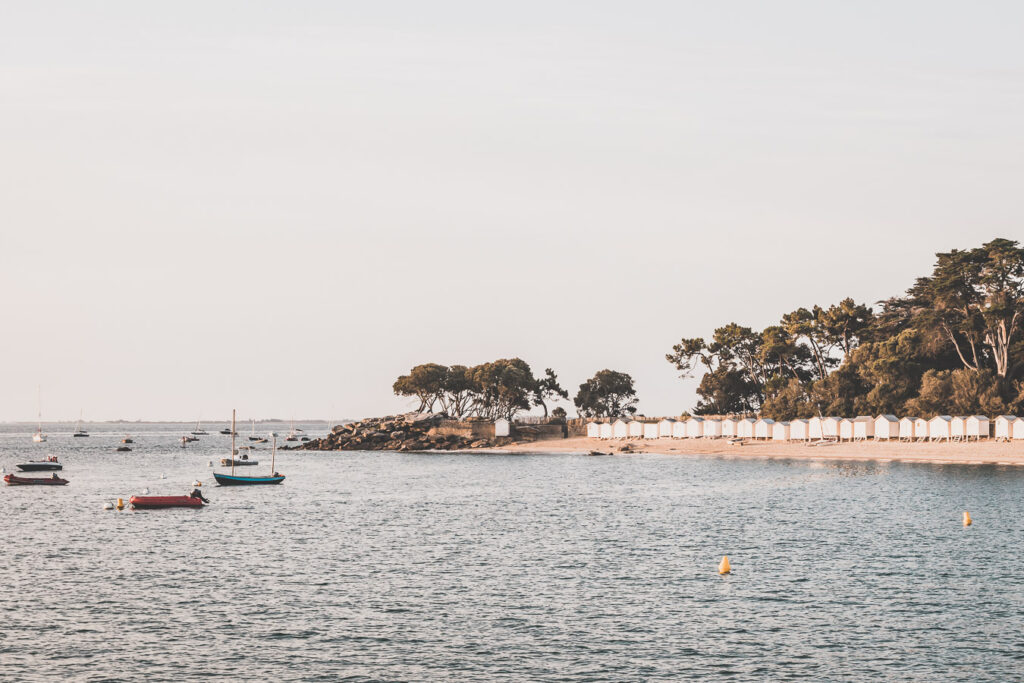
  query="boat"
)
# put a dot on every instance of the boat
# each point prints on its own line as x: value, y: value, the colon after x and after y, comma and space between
x: 47, y: 465
x: 78, y: 429
x: 15, y: 480
x: 238, y: 462
x: 39, y: 437
x: 155, y: 502
x: 233, y: 479
x: 199, y: 431
x: 123, y: 449
x: 229, y: 432
x: 293, y: 434
x: 127, y: 439
x: 252, y: 434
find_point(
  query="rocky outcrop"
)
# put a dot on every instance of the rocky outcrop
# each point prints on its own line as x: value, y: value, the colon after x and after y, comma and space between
x: 409, y: 432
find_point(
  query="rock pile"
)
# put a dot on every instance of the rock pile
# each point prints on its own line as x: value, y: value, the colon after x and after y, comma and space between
x: 409, y: 432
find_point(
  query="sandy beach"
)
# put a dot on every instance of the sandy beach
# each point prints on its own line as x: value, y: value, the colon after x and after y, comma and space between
x: 987, y: 452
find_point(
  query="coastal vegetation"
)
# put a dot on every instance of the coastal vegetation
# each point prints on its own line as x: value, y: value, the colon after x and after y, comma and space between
x: 501, y: 388
x: 607, y: 394
x: 951, y: 344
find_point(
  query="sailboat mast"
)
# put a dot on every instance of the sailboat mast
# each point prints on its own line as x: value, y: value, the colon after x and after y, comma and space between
x: 232, y: 442
x: 39, y: 409
x: 273, y: 453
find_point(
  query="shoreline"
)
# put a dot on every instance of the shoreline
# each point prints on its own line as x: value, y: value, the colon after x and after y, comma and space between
x: 987, y: 452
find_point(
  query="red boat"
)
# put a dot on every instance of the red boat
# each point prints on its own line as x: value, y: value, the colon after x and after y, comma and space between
x: 15, y: 480
x: 152, y: 502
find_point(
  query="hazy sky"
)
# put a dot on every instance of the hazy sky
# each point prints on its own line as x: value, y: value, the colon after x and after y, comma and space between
x: 281, y: 206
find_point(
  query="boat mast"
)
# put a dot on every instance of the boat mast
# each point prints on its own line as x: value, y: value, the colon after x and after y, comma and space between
x: 39, y: 409
x: 273, y: 453
x: 232, y: 442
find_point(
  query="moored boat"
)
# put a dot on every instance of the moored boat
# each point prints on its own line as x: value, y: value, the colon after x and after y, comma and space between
x: 154, y: 502
x: 47, y: 465
x: 232, y: 479
x: 227, y: 462
x: 244, y: 480
x: 15, y: 480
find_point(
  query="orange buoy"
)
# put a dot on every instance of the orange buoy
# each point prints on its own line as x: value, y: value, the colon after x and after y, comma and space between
x: 723, y: 566
x: 967, y: 518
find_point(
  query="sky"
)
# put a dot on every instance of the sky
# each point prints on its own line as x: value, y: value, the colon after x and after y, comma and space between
x: 280, y: 207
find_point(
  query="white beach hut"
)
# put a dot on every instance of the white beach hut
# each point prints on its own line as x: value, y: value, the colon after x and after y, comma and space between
x: 606, y: 430
x: 1017, y: 429
x: 798, y: 430
x: 593, y: 430
x: 845, y: 429
x: 815, y: 429
x: 781, y: 431
x: 636, y: 429
x: 907, y: 428
x: 830, y: 427
x: 920, y: 429
x: 712, y: 429
x: 695, y: 428
x: 763, y: 428
x: 977, y: 427
x: 620, y: 429
x: 665, y: 428
x: 887, y: 427
x: 745, y: 428
x: 958, y: 428
x: 863, y: 428
x: 679, y: 429
x: 1004, y: 427
x: 939, y: 428
x: 650, y: 430
x: 729, y: 427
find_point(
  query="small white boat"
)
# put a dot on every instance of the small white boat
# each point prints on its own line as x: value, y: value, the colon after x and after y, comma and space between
x: 39, y: 437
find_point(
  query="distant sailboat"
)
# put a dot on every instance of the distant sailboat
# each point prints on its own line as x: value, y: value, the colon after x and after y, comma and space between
x: 199, y: 428
x: 292, y: 436
x: 78, y: 430
x: 252, y: 434
x: 39, y: 437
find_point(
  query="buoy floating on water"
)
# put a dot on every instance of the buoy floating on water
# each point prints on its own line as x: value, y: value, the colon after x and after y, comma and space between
x: 723, y: 566
x: 967, y: 518
x: 145, y: 491
x: 120, y: 504
x: 108, y: 505
x: 197, y: 483
x: 209, y: 464
x: 163, y: 476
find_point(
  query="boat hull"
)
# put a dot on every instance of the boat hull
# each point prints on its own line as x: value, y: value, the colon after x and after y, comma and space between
x: 15, y: 480
x: 244, y: 480
x: 225, y: 462
x: 40, y: 466
x: 156, y: 502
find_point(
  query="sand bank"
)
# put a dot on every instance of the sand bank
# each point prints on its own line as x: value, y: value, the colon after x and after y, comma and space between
x: 974, y: 453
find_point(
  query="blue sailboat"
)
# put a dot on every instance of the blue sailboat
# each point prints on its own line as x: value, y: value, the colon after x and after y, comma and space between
x: 233, y: 479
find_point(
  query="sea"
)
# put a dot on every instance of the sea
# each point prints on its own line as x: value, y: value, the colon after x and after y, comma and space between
x: 495, y: 567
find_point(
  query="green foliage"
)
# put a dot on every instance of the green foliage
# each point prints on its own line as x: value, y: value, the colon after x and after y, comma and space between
x: 607, y: 394
x: 952, y: 345
x: 498, y: 389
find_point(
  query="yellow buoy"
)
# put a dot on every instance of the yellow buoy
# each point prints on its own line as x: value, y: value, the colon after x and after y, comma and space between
x: 120, y: 504
x: 967, y: 518
x: 723, y: 566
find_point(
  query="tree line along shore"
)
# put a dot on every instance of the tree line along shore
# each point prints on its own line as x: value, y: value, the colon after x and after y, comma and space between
x: 950, y: 345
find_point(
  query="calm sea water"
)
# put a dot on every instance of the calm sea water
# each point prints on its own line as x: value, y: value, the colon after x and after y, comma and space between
x: 369, y: 566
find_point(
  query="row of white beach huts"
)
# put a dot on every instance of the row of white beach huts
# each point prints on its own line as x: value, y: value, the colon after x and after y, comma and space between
x: 881, y: 428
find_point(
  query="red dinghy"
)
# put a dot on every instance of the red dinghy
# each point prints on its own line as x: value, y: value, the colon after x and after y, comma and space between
x: 15, y: 480
x: 152, y: 502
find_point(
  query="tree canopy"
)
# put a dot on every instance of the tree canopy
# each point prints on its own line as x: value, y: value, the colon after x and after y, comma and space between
x: 501, y: 388
x: 607, y: 394
x: 951, y: 344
